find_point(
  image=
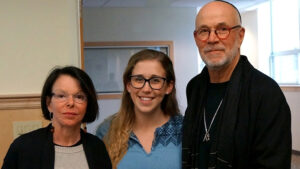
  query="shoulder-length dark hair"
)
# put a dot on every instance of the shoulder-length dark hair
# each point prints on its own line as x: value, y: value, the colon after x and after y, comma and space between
x: 86, y: 86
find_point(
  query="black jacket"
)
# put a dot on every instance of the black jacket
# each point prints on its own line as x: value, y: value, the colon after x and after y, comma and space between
x: 35, y: 150
x: 254, y: 127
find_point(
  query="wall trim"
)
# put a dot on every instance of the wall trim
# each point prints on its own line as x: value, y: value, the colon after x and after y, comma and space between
x: 170, y: 44
x: 109, y: 96
x: 290, y: 88
x: 33, y: 101
x: 295, y: 152
x: 24, y: 101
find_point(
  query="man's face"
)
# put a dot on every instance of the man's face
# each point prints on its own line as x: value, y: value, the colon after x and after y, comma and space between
x: 215, y: 52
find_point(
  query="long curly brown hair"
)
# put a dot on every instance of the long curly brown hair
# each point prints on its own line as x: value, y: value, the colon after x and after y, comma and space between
x: 118, y: 135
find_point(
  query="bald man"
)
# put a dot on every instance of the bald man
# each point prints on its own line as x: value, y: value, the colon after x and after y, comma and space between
x: 237, y: 117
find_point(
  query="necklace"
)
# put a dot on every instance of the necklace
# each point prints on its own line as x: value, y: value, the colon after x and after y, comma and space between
x: 207, y: 136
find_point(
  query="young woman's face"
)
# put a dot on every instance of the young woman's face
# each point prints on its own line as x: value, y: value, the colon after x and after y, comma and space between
x: 68, y: 102
x: 147, y: 98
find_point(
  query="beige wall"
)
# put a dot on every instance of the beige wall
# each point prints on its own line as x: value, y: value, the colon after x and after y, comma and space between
x: 8, y: 117
x: 35, y: 36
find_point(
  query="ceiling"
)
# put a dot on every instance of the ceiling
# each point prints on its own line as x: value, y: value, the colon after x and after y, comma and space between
x: 240, y: 4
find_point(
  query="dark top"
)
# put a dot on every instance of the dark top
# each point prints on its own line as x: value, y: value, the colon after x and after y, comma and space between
x: 35, y: 150
x: 214, y: 96
x: 253, y: 130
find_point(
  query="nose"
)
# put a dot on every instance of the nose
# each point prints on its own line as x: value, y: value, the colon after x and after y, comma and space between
x: 212, y: 37
x: 70, y: 100
x: 147, y: 87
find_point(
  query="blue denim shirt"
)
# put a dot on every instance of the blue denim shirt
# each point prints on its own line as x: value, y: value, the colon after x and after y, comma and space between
x: 165, y: 151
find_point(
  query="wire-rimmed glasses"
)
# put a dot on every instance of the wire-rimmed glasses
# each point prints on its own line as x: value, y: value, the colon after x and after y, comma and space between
x: 138, y: 82
x: 222, y: 32
x: 64, y: 97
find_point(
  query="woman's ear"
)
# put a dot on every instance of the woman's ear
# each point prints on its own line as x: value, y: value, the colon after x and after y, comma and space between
x: 170, y: 87
x: 128, y: 87
x: 48, y: 102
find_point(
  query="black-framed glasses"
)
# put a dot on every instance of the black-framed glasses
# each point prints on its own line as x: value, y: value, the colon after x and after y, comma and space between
x: 63, y: 97
x: 222, y: 32
x: 138, y: 82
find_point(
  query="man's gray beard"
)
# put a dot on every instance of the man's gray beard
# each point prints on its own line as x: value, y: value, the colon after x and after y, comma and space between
x: 216, y: 66
x: 222, y: 63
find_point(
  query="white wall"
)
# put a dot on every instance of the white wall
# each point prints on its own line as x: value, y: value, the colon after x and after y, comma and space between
x: 293, y: 100
x: 107, y: 107
x: 35, y: 36
x: 250, y: 48
x: 146, y: 24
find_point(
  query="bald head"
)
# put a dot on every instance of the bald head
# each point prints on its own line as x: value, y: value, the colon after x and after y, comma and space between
x: 233, y: 7
x: 218, y: 9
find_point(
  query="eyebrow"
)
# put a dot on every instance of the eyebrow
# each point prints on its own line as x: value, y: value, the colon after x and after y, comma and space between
x: 64, y: 92
x: 152, y: 76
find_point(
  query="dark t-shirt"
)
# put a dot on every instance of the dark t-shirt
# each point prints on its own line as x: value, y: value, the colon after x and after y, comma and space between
x: 215, y: 93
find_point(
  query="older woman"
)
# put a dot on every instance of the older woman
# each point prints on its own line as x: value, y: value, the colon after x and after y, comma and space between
x: 146, y: 132
x: 68, y: 99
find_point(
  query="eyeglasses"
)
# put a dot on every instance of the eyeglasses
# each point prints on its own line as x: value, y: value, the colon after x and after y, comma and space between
x: 222, y: 32
x: 63, y: 97
x: 139, y: 82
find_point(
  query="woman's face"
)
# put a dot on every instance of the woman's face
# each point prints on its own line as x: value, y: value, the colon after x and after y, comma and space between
x: 68, y: 102
x: 146, y: 99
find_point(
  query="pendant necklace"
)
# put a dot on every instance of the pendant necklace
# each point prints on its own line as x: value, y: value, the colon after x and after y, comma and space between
x: 207, y: 136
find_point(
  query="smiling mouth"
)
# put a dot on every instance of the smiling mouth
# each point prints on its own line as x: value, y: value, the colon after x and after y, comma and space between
x: 146, y: 98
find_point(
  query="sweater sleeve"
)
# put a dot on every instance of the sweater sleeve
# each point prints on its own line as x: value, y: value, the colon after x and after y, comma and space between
x: 96, y: 153
x: 106, y: 158
x: 11, y: 159
x: 272, y: 141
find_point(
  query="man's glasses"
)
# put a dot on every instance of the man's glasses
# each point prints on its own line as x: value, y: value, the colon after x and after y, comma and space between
x: 63, y: 97
x: 222, y: 32
x: 139, y: 82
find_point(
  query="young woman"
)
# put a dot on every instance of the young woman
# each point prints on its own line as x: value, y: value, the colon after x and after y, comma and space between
x: 68, y: 99
x: 146, y: 132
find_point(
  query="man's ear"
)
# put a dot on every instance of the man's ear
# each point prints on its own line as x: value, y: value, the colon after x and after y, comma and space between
x: 241, y: 35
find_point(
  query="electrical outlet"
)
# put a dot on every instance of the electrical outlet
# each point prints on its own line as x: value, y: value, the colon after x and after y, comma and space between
x: 22, y: 127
